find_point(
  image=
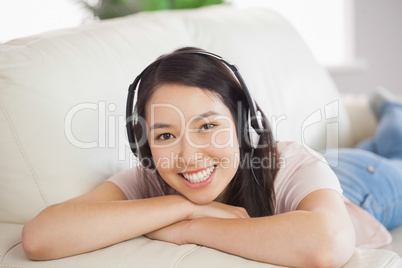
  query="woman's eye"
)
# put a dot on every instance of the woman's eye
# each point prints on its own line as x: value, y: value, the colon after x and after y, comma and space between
x: 207, y: 126
x: 165, y: 136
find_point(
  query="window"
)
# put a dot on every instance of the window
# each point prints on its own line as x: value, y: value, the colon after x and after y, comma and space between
x: 327, y: 27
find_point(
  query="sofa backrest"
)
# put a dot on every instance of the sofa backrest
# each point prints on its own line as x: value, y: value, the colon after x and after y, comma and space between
x: 63, y: 93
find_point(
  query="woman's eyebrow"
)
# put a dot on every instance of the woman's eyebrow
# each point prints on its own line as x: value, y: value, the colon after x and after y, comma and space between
x: 159, y: 125
x: 205, y: 115
x: 196, y: 118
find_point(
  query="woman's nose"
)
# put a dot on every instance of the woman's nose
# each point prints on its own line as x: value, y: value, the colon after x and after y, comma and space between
x: 190, y: 151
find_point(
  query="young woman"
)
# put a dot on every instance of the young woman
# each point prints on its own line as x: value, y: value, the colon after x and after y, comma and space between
x: 203, y: 181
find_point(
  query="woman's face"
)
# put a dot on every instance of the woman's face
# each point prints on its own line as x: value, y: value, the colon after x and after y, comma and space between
x: 193, y: 141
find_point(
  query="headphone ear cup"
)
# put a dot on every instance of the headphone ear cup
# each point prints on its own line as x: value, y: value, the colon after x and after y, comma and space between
x: 254, y: 137
x: 243, y: 128
x: 131, y: 138
x: 140, y: 147
x: 136, y: 131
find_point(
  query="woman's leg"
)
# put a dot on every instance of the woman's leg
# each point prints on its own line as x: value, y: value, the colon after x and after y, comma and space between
x: 388, y: 139
x: 371, y: 174
x: 372, y: 182
x: 368, y: 145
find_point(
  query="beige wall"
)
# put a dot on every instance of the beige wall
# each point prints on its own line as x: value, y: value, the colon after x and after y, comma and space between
x: 378, y: 42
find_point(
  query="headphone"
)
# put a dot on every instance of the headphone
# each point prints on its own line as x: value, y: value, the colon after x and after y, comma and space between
x: 255, y: 126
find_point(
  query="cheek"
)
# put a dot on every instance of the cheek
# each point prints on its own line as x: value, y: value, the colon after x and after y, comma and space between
x: 223, y: 138
x: 225, y: 147
x: 163, y: 158
x: 228, y: 157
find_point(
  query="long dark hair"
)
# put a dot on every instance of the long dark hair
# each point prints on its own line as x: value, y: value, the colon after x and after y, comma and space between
x: 212, y: 75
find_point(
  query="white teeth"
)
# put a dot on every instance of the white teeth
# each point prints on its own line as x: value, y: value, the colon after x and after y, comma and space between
x: 199, y: 176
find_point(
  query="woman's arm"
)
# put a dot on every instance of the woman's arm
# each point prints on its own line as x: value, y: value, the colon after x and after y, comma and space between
x: 318, y: 234
x: 98, y: 219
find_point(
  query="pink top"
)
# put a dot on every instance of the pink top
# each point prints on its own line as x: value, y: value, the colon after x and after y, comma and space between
x: 302, y: 171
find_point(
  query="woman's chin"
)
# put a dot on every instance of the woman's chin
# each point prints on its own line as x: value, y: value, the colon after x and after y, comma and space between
x: 201, y: 200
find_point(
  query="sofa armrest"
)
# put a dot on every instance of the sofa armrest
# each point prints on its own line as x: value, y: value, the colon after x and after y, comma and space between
x: 362, y: 121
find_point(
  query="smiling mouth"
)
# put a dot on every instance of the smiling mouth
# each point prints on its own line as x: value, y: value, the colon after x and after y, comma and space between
x: 199, y: 176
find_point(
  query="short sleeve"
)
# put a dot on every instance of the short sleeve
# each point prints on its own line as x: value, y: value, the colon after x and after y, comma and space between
x: 303, y: 171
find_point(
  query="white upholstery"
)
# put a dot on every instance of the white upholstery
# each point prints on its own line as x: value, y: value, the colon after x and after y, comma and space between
x: 62, y: 101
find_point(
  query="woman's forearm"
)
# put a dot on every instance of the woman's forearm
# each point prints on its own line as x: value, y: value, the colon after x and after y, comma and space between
x: 75, y: 227
x: 297, y: 239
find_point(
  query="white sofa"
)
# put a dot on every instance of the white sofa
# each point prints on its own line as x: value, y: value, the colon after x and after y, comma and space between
x: 62, y: 101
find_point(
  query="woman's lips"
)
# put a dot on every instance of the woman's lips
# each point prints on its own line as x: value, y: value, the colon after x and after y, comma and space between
x: 198, y: 179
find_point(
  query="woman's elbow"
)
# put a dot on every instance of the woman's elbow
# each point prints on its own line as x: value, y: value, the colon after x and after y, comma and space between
x: 333, y: 251
x: 29, y: 243
x: 330, y: 259
x: 34, y: 244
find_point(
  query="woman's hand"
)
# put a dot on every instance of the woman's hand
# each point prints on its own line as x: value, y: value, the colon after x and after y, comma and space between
x: 217, y: 210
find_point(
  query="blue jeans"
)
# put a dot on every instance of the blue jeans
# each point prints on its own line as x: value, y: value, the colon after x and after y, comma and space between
x: 371, y: 173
